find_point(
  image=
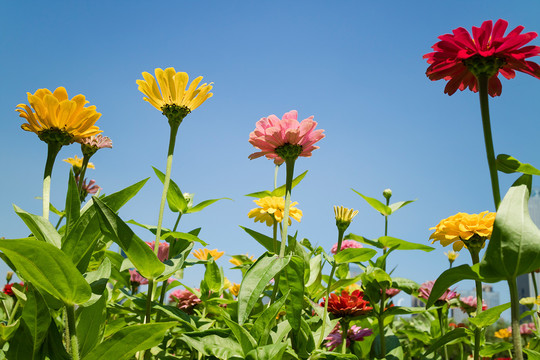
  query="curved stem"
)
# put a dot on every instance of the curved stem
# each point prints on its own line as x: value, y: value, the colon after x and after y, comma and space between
x: 484, y: 109
x: 441, y: 324
x: 514, y: 300
x: 478, y: 284
x: 74, y: 342
x: 177, y: 221
x: 52, y: 152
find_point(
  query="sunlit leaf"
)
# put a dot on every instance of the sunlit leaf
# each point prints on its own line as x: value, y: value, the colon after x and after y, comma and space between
x: 376, y: 204
x: 509, y: 164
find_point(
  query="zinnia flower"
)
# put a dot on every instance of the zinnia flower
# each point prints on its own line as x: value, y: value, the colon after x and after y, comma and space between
x: 272, y: 208
x: 355, y: 333
x: 238, y: 260
x: 346, y: 244
x: 425, y: 290
x: 87, y: 188
x: 91, y: 144
x: 392, y: 292
x: 185, y: 300
x: 77, y: 163
x: 8, y: 289
x: 56, y: 119
x: 452, y: 256
x: 234, y: 289
x: 286, y: 138
x: 462, y: 229
x: 163, y: 251
x: 469, y: 304
x: 344, y: 217
x: 348, y: 304
x: 202, y: 254
x: 461, y: 59
x: 137, y: 279
x: 177, y: 97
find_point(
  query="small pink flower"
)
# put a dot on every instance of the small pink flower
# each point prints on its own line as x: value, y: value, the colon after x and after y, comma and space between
x: 136, y: 278
x: 469, y: 304
x: 527, y: 329
x: 425, y: 291
x: 346, y: 244
x: 185, y: 299
x: 272, y: 134
x: 163, y: 251
x: 392, y: 292
x: 355, y: 333
x: 97, y: 141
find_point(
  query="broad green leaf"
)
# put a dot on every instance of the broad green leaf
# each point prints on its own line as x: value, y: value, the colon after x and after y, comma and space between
x: 73, y: 202
x: 36, y: 317
x: 264, y: 323
x: 489, y: 350
x: 176, y: 314
x: 220, y: 347
x: 280, y: 191
x: 264, y: 240
x: 394, y: 351
x: 91, y: 320
x: 7, y: 331
x: 267, y: 352
x: 39, y: 226
x: 406, y: 285
x: 344, y: 282
x: 449, y: 336
x: 98, y: 281
x: 327, y: 355
x: 151, y: 228
x: 531, y: 354
x: 55, y: 210
x: 260, y: 194
x: 182, y: 235
x: 352, y: 255
x: 376, y: 204
x: 47, y: 268
x: 509, y: 164
x: 363, y: 240
x: 315, y: 264
x: 54, y: 347
x: 129, y: 340
x: 246, y: 341
x: 330, y: 324
x: 118, y: 199
x: 204, y: 204
x: 175, y: 198
x: 293, y: 281
x: 212, y: 276
x: 20, y: 346
x: 140, y: 254
x: 389, y: 241
x: 403, y: 310
x: 256, y: 279
x: 489, y: 316
x: 173, y: 265
x: 398, y: 205
x: 514, y: 247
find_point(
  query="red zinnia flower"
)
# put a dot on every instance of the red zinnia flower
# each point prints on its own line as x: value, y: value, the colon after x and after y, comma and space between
x: 460, y: 59
x: 348, y: 304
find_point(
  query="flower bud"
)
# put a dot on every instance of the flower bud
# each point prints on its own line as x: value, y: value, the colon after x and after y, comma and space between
x: 387, y: 193
x: 9, y: 276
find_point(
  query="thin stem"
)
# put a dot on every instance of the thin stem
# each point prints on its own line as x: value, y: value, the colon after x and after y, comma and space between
x: 380, y: 320
x: 288, y: 187
x: 52, y: 152
x: 274, y: 237
x: 345, y: 332
x: 484, y: 109
x: 177, y: 221
x: 441, y: 324
x: 514, y: 300
x: 82, y: 174
x: 70, y: 309
x: 535, y: 315
x: 13, y: 311
x: 275, y: 176
x: 148, y: 318
x: 59, y: 221
x: 478, y: 284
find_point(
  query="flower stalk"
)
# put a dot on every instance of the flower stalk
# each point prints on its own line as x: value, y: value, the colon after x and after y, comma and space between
x: 344, y: 334
x: 73, y: 340
x: 443, y: 328
x: 478, y: 284
x: 514, y: 301
x: 53, y: 148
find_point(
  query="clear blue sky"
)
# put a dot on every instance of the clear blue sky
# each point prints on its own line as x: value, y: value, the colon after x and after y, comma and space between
x: 356, y: 66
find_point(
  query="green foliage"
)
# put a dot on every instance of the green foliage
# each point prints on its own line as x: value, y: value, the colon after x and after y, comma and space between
x: 279, y: 191
x: 509, y: 165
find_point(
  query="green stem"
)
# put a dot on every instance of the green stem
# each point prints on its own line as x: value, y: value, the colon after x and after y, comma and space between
x: 72, y: 332
x: 86, y: 159
x: 275, y: 176
x: 478, y: 331
x: 52, y: 152
x: 13, y: 311
x: 59, y: 221
x: 441, y: 324
x: 341, y: 232
x: 148, y: 318
x: 484, y: 109
x: 514, y: 300
x: 535, y: 315
x: 274, y: 237
x: 345, y: 332
x: 288, y: 187
x: 380, y: 320
x: 177, y: 221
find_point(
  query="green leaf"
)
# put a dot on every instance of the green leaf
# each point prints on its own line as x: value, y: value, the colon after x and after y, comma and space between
x: 7, y: 331
x: 315, y: 266
x: 47, y: 268
x: 55, y: 210
x: 175, y: 198
x: 20, y: 346
x: 489, y: 350
x: 293, y: 282
x: 531, y: 354
x: 184, y: 236
x: 212, y: 276
x: 246, y: 341
x: 36, y: 317
x: 514, y: 247
x: 376, y: 204
x: 91, y: 320
x: 509, y: 164
x: 353, y: 255
x: 118, y: 199
x: 403, y: 310
x: 449, y: 336
x: 389, y: 241
x: 394, y: 351
x: 219, y: 347
x: 363, y: 240
x: 173, y: 265
x: 398, y: 205
x: 39, y: 226
x: 73, y: 202
x: 260, y: 194
x: 280, y: 191
x: 267, y: 352
x: 256, y: 279
x: 98, y: 281
x: 489, y: 316
x: 406, y: 285
x: 264, y: 240
x: 263, y: 325
x: 129, y: 340
x: 204, y: 204
x: 140, y: 254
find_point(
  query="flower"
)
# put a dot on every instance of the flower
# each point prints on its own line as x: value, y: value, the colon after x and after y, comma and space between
x: 185, y: 300
x: 137, y: 279
x: 452, y: 256
x: 239, y: 260
x: 355, y: 333
x: 463, y: 229
x: 234, y: 289
x: 56, y: 119
x: 8, y: 289
x: 91, y: 144
x: 348, y: 304
x: 273, y: 208
x: 176, y: 98
x: 527, y: 329
x: 77, y: 162
x: 461, y: 59
x: 163, y: 251
x: 286, y: 138
x: 425, y: 290
x: 469, y: 304
x: 392, y: 292
x: 346, y: 244
x: 87, y: 188
x: 344, y: 217
x: 202, y: 254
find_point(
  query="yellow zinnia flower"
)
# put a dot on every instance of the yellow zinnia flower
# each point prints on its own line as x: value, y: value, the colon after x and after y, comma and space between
x: 202, y: 254
x: 242, y: 261
x: 451, y: 255
x: 462, y: 228
x: 272, y: 208
x: 174, y: 90
x: 234, y: 289
x: 56, y: 119
x: 77, y: 162
x: 503, y: 334
x: 344, y: 216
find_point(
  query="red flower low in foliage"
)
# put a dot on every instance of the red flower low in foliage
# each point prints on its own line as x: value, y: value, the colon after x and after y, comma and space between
x: 348, y: 304
x: 461, y: 59
x: 7, y: 289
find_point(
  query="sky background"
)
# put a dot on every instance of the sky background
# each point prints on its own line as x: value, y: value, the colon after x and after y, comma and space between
x: 355, y: 65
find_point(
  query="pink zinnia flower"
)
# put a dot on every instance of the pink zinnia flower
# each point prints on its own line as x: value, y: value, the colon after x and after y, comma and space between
x: 489, y: 52
x: 271, y: 135
x: 392, y: 292
x: 185, y: 299
x: 163, y: 251
x: 97, y: 141
x: 137, y: 279
x: 355, y: 333
x: 346, y: 244
x: 469, y: 304
x: 425, y: 291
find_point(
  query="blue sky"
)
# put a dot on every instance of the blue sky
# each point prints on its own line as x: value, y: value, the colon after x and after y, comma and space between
x: 356, y: 66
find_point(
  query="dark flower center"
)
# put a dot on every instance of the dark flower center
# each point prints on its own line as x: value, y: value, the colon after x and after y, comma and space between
x: 175, y: 113
x: 55, y: 136
x: 482, y: 65
x: 289, y: 151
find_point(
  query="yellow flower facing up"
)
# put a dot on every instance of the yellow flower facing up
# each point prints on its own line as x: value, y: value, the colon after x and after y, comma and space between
x: 503, y: 334
x: 202, y: 254
x: 56, y: 119
x: 451, y: 255
x: 234, y: 289
x: 272, y: 208
x: 77, y: 162
x: 174, y: 93
x: 462, y: 229
x: 344, y: 216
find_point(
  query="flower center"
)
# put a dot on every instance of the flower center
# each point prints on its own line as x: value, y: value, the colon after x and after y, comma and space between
x: 289, y: 151
x: 55, y: 136
x: 482, y: 65
x: 175, y: 113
